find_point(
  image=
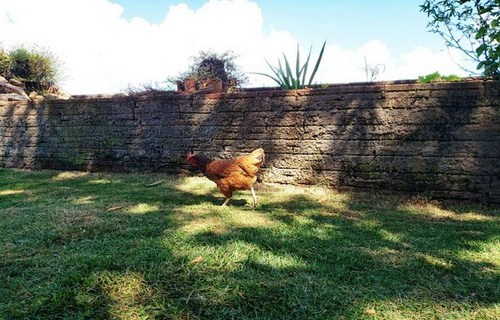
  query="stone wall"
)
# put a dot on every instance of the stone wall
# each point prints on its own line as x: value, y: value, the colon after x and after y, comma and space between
x: 441, y: 140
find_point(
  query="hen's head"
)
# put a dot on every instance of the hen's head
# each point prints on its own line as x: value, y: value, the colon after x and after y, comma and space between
x: 192, y: 159
x: 198, y: 161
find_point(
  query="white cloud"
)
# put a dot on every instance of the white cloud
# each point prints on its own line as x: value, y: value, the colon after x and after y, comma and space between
x: 347, y: 65
x: 104, y: 52
x: 423, y: 60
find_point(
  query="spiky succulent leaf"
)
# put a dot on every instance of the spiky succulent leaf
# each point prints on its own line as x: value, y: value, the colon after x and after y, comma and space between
x: 289, y: 73
x: 317, y: 63
x: 284, y: 75
x: 279, y: 82
x: 306, y: 64
x: 286, y: 78
x: 276, y: 73
x: 297, y: 67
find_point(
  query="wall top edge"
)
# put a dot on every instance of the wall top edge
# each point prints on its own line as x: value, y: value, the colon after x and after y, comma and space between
x: 353, y: 87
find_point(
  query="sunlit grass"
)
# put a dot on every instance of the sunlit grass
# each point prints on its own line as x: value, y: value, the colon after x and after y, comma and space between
x: 10, y: 192
x: 434, y: 211
x: 84, y: 200
x: 100, y: 181
x: 195, y: 185
x: 152, y: 246
x: 143, y: 208
x: 68, y: 175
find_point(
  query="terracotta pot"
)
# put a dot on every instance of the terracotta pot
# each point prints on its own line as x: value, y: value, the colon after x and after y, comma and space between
x: 213, y: 85
x: 189, y: 85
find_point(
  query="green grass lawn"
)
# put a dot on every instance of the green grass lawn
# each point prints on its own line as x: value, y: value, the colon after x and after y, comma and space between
x: 106, y: 246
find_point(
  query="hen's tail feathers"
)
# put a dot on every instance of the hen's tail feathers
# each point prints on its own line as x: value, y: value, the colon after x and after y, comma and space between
x: 251, y: 162
x: 259, y: 155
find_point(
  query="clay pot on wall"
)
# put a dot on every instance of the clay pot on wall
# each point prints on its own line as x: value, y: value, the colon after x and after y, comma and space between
x: 205, y: 86
x: 190, y: 85
x: 212, y: 85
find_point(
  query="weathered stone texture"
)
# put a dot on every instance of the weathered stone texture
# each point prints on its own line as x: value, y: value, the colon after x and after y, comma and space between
x: 441, y: 140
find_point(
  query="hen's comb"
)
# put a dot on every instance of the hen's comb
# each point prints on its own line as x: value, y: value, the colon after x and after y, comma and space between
x: 190, y: 154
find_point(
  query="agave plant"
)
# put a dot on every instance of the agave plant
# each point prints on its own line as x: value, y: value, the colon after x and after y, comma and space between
x: 284, y: 75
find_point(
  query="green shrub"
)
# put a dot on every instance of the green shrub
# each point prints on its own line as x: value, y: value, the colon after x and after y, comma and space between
x: 211, y: 65
x: 5, y: 64
x: 38, y: 69
x: 436, y: 76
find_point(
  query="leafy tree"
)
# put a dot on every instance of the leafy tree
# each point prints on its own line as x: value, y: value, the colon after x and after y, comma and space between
x: 472, y: 26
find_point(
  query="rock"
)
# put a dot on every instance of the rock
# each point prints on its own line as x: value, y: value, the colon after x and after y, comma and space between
x: 51, y: 96
x: 2, y: 79
x: 36, y: 97
x: 16, y: 83
x: 59, y: 96
x: 13, y: 97
x: 6, y: 87
x: 63, y: 95
x: 33, y: 95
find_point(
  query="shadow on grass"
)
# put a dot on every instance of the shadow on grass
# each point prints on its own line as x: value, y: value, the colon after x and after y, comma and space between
x: 298, y: 258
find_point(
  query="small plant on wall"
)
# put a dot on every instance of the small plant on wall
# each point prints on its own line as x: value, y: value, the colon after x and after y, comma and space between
x: 436, y: 77
x: 211, y: 72
x: 283, y: 75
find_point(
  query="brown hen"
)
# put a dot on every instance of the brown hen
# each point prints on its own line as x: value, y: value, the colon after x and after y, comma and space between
x: 232, y: 174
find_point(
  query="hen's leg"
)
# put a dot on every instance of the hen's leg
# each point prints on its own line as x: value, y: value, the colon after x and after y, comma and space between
x: 225, y: 202
x: 227, y: 192
x: 254, y: 197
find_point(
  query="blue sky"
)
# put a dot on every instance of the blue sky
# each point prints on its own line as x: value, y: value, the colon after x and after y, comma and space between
x: 106, y: 46
x: 350, y: 23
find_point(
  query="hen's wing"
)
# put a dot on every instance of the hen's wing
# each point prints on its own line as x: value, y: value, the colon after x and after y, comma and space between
x: 220, y: 169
